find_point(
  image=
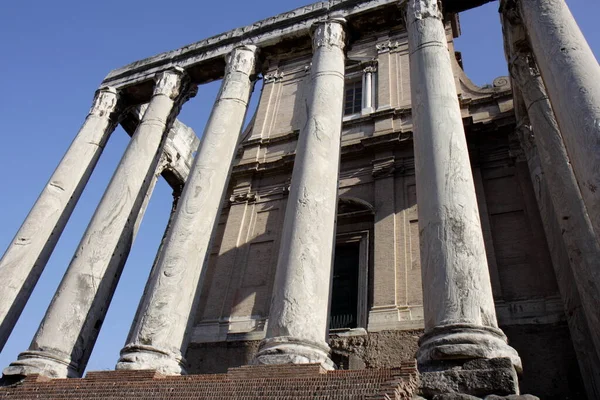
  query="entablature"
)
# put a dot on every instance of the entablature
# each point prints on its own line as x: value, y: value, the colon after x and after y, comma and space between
x: 204, y: 60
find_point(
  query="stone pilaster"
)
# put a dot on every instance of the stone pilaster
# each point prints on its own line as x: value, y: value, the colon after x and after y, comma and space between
x: 571, y: 74
x: 65, y: 339
x: 26, y: 257
x: 460, y: 318
x: 160, y: 336
x: 297, y: 328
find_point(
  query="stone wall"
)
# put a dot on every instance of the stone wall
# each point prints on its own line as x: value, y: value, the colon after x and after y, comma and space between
x: 377, y: 171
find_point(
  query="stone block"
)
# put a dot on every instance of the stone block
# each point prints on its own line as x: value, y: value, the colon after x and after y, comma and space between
x: 476, y: 378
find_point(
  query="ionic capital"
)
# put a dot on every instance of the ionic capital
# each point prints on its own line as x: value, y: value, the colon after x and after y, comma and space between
x: 242, y: 59
x: 169, y: 83
x: 387, y: 46
x: 370, y: 68
x: 276, y: 76
x: 329, y: 33
x: 105, y: 101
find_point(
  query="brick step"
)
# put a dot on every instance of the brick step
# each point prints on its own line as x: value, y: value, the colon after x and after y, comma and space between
x: 291, y: 382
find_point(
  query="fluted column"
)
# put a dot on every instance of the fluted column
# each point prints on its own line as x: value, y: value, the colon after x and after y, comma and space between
x: 297, y: 328
x: 460, y: 318
x: 572, y: 77
x: 160, y: 334
x: 26, y: 257
x: 65, y: 339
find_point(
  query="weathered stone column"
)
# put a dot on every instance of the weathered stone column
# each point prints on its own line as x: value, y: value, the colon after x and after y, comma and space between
x: 571, y: 74
x: 578, y: 277
x: 160, y: 336
x: 27, y: 255
x: 65, y: 339
x: 297, y: 328
x: 460, y: 318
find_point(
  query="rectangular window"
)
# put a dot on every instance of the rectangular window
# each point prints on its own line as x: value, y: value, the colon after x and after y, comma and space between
x: 344, y: 296
x: 353, y: 97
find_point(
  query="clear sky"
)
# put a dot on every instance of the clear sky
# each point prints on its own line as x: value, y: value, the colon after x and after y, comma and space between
x: 54, y: 56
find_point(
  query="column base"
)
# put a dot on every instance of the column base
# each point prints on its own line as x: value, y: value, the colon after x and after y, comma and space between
x: 42, y: 363
x: 479, y: 378
x: 291, y: 350
x: 138, y: 357
x: 464, y: 342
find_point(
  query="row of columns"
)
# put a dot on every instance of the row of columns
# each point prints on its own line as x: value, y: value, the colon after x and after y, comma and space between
x: 460, y: 320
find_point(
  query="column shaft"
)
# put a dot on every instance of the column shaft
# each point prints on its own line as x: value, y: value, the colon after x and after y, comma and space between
x: 26, y: 257
x: 571, y: 75
x: 576, y: 230
x: 460, y: 318
x: 368, y: 90
x: 297, y: 329
x: 66, y: 336
x: 159, y: 338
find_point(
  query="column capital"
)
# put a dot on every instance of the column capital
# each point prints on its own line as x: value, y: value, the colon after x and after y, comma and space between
x: 370, y: 67
x: 329, y: 33
x: 242, y: 59
x: 169, y: 83
x: 105, y: 102
x: 421, y: 9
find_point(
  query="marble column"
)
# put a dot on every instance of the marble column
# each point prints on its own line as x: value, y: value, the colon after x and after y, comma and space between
x: 571, y: 75
x: 460, y: 318
x: 298, y: 318
x: 159, y: 338
x: 26, y: 257
x: 65, y: 339
x: 368, y: 73
x: 579, y: 277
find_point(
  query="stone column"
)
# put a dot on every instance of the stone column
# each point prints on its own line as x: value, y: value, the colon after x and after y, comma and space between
x: 27, y: 255
x: 460, y: 318
x: 65, y: 339
x: 578, y: 278
x: 160, y: 336
x: 571, y: 75
x: 368, y: 72
x: 297, y: 328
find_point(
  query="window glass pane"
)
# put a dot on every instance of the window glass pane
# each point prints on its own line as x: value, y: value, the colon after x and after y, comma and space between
x: 353, y: 97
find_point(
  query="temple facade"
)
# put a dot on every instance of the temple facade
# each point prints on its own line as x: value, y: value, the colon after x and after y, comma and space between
x: 379, y: 207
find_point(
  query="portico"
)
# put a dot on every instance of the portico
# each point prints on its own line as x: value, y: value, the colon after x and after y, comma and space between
x: 262, y: 246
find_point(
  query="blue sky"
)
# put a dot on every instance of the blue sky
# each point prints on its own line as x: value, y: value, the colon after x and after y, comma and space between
x: 55, y: 54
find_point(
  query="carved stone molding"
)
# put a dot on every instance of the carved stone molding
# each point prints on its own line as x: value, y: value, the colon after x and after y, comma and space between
x: 272, y: 77
x: 387, y: 46
x: 239, y: 198
x: 501, y: 81
x: 383, y: 167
